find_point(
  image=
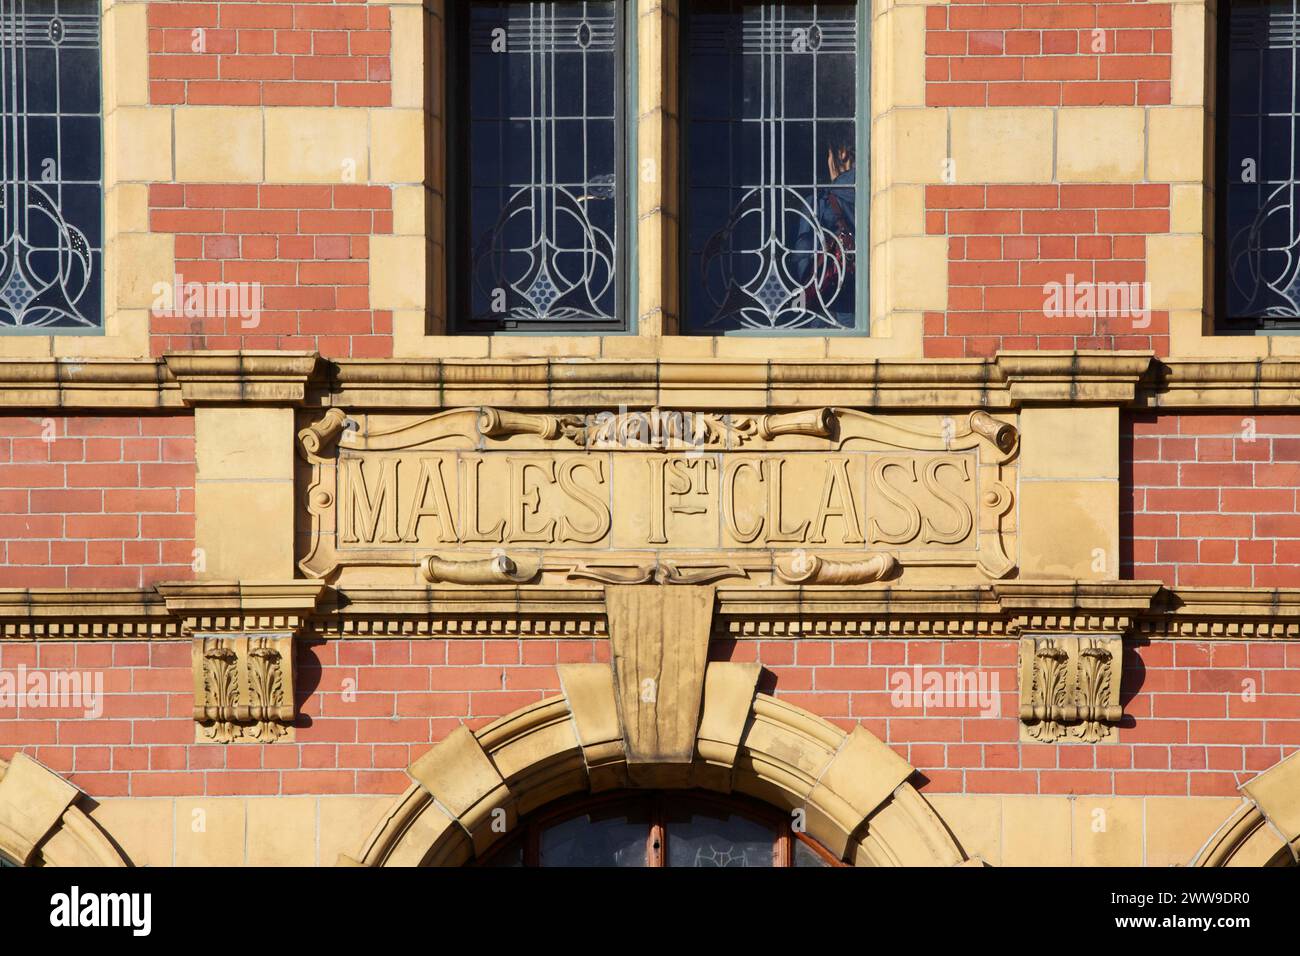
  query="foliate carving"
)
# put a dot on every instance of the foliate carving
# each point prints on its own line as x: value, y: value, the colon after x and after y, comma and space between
x: 1069, y: 687
x: 657, y: 428
x: 243, y: 688
x: 220, y: 670
x: 804, y: 568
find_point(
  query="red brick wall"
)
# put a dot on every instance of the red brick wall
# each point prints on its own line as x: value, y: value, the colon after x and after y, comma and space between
x: 1189, y: 732
x: 1048, y: 54
x: 1211, y: 499
x: 95, y: 502
x: 308, y: 248
x: 270, y: 54
x: 1006, y: 243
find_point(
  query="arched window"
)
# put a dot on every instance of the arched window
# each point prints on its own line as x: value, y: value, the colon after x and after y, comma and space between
x: 675, y: 828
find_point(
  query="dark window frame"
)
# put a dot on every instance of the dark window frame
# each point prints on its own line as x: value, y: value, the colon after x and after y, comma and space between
x: 84, y: 239
x: 458, y: 238
x: 527, y: 832
x: 1224, y: 322
x: 862, y: 193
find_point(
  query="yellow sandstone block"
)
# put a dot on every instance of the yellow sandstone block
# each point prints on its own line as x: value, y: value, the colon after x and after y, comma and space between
x: 397, y: 146
x: 218, y: 144
x: 1176, y: 145
x: 317, y: 145
x: 1100, y: 145
x: 397, y: 276
x: 1011, y: 145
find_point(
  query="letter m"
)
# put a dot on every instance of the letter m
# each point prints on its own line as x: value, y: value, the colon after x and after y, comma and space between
x: 361, y: 511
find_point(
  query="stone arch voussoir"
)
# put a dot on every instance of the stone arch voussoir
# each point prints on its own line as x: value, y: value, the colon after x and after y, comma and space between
x: 469, y: 790
x: 41, y: 823
x: 1265, y: 829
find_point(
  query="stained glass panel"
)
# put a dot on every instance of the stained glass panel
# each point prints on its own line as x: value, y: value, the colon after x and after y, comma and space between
x: 1260, y: 221
x: 709, y: 838
x: 543, y: 110
x: 596, y: 839
x: 771, y: 163
x: 51, y: 258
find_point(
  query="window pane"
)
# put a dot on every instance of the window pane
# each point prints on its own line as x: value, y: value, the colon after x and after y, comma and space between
x: 717, y: 838
x: 1261, y: 223
x: 804, y: 855
x: 542, y: 135
x: 597, y: 840
x: 510, y: 857
x: 771, y: 101
x: 51, y: 245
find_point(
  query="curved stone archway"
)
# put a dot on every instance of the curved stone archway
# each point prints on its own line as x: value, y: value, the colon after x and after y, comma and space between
x: 852, y: 788
x: 41, y: 824
x: 1265, y: 829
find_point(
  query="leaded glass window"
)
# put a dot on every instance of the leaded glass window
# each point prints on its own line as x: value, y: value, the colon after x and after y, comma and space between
x: 51, y: 259
x: 771, y: 99
x: 657, y: 829
x: 541, y: 108
x: 1259, y: 268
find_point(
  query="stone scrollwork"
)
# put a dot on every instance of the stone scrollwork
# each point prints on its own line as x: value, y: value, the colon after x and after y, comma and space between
x: 243, y: 688
x: 315, y: 439
x: 803, y: 568
x: 497, y: 569
x: 657, y: 428
x: 1069, y: 688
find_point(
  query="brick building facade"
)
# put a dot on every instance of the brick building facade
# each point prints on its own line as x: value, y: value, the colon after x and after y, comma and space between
x: 341, y: 574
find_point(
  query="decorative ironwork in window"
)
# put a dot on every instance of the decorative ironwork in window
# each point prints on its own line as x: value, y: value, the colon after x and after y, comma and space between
x: 771, y: 140
x: 541, y: 216
x: 1259, y: 206
x: 51, y: 259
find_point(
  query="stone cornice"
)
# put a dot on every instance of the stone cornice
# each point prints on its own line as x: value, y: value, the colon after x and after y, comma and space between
x: 87, y: 384
x: 1236, y: 383
x: 77, y: 615
x: 243, y: 377
x: 1007, y: 381
x: 216, y: 606
x: 174, y: 611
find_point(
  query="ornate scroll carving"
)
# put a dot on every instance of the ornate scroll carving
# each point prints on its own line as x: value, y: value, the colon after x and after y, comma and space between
x: 1069, y: 687
x: 316, y: 438
x: 813, y: 569
x: 496, y: 423
x: 243, y: 688
x: 498, y: 569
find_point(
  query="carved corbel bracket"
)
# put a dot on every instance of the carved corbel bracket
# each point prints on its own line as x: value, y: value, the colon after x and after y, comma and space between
x: 1069, y: 688
x: 243, y: 688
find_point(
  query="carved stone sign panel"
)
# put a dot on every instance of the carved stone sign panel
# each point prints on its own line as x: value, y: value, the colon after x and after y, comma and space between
x: 824, y: 496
